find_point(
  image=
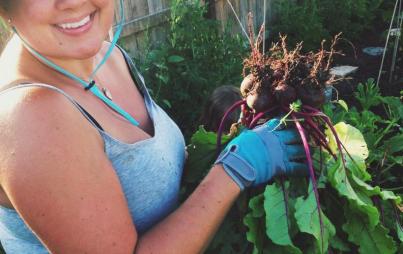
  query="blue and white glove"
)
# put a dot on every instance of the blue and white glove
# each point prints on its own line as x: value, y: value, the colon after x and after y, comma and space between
x: 256, y: 156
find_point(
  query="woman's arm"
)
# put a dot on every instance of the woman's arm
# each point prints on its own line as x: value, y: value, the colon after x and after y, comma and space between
x: 190, y: 228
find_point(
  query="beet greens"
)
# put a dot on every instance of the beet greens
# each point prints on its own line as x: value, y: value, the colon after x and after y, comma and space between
x: 292, y: 84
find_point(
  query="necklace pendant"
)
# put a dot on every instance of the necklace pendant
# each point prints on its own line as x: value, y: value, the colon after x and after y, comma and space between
x: 107, y: 93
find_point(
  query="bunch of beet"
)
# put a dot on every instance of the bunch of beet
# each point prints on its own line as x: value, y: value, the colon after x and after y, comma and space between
x: 292, y: 84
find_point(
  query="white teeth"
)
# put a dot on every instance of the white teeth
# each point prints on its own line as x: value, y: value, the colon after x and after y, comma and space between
x: 76, y: 24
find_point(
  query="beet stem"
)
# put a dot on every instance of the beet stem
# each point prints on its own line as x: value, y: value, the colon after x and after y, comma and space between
x: 315, y: 127
x: 285, y: 195
x: 224, y: 119
x: 329, y: 123
x: 322, y: 144
x: 259, y: 116
x: 311, y: 172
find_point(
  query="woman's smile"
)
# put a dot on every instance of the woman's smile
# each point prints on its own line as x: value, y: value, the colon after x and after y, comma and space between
x: 76, y: 27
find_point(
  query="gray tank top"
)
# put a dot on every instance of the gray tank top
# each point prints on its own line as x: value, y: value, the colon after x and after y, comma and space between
x: 149, y: 172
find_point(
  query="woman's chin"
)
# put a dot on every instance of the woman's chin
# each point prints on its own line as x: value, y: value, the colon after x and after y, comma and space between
x: 86, y: 52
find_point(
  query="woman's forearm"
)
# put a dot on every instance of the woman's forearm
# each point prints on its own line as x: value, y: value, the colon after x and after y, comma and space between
x: 190, y: 228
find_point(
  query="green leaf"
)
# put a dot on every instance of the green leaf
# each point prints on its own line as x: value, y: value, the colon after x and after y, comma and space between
x: 399, y: 231
x: 256, y: 205
x: 307, y: 217
x: 254, y: 220
x: 343, y: 104
x: 277, y: 225
x: 338, y: 244
x: 372, y: 191
x: 369, y: 94
x: 394, y: 144
x: 202, y: 153
x: 161, y: 66
x: 166, y: 102
x: 370, y: 240
x: 340, y: 181
x: 255, y: 233
x: 394, y: 105
x: 354, y: 143
x: 175, y: 59
x: 163, y: 78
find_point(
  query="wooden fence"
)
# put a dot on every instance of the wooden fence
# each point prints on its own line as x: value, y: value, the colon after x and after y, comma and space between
x: 147, y: 21
x: 225, y: 13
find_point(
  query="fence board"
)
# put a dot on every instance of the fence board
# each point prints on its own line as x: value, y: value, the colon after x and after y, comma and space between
x: 225, y: 14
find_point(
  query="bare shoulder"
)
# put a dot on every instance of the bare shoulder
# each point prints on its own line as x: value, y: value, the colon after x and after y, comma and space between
x: 43, y: 116
x: 38, y: 125
x: 57, y: 177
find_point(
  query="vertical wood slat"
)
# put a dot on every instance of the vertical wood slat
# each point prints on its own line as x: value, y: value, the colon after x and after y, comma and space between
x: 242, y: 8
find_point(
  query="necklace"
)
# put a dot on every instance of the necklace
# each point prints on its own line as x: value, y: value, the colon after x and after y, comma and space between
x: 106, y: 92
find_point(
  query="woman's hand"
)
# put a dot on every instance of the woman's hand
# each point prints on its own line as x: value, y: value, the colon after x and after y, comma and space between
x: 256, y: 156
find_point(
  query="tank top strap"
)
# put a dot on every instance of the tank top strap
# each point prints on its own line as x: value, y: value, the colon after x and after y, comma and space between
x: 135, y: 73
x: 87, y: 115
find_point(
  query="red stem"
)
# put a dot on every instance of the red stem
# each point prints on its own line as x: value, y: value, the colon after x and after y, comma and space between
x: 314, y: 126
x: 329, y: 123
x: 338, y: 142
x: 259, y: 116
x: 311, y: 171
x: 224, y: 119
x: 285, y: 195
x: 321, y: 143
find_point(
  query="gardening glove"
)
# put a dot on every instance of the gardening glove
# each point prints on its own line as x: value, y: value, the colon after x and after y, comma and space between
x: 256, y: 156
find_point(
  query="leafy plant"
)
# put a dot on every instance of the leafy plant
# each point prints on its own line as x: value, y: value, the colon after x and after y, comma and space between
x: 196, y: 59
x: 350, y: 216
x: 300, y: 21
x: 313, y: 20
x: 360, y: 214
x: 382, y: 132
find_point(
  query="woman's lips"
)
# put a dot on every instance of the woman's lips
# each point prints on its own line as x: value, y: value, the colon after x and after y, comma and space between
x: 76, y: 31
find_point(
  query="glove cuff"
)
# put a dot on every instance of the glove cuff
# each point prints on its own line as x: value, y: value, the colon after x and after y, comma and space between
x: 236, y: 167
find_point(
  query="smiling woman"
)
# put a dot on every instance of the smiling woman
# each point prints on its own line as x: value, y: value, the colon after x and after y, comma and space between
x: 80, y: 173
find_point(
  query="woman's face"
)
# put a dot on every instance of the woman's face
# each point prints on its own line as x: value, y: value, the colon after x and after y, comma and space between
x: 63, y: 29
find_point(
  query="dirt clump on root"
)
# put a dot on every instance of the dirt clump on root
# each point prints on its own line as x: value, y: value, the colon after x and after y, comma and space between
x: 281, y: 76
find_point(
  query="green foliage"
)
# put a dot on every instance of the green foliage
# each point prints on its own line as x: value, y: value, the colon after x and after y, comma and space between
x: 277, y: 224
x: 312, y: 20
x: 371, y: 241
x: 300, y: 21
x: 354, y: 142
x: 196, y: 59
x: 307, y: 217
x: 382, y: 132
x: 202, y: 153
x: 359, y: 211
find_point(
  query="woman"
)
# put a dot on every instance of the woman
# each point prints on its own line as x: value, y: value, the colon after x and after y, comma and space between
x: 88, y: 162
